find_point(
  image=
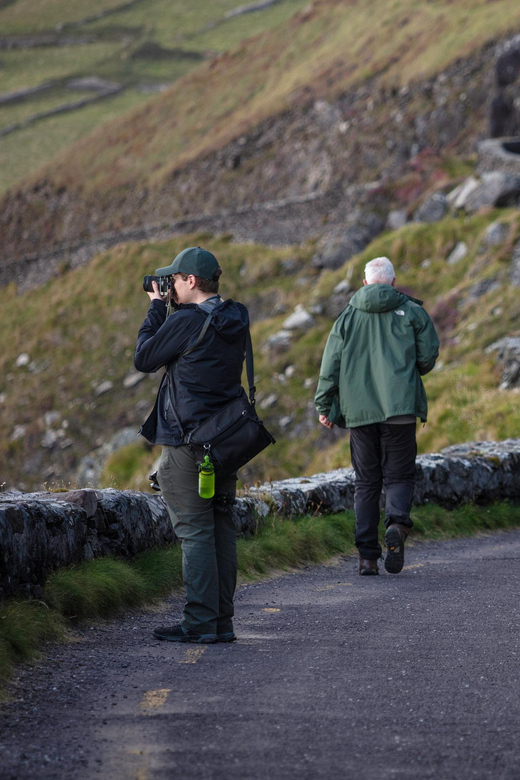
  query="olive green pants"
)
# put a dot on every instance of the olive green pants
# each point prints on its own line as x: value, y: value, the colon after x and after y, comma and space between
x: 208, y: 535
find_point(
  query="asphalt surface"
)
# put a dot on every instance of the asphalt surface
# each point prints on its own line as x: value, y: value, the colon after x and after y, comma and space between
x: 334, y: 675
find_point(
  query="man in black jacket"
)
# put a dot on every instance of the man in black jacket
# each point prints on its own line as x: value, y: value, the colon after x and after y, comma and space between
x: 201, y: 377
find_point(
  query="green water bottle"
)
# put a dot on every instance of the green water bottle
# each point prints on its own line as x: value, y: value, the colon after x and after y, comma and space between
x: 206, y: 478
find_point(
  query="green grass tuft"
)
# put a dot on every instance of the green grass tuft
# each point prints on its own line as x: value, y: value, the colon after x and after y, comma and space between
x: 282, y: 544
x: 24, y: 626
x: 160, y: 570
x: 95, y: 589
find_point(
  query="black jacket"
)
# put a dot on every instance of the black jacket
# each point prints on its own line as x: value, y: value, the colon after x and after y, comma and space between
x: 201, y: 382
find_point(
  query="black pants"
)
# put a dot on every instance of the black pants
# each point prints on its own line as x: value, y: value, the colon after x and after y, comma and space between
x: 383, y: 455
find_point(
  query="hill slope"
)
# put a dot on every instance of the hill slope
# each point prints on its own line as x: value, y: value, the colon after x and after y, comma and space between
x: 294, y: 111
x: 68, y: 383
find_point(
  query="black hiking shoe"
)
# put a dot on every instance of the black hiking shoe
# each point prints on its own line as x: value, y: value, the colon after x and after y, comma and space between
x: 395, y: 538
x: 180, y: 634
x: 227, y: 636
x: 367, y: 567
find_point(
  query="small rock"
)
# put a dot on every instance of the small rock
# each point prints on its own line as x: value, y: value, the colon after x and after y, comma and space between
x: 433, y: 209
x: 457, y: 198
x: 300, y: 319
x: 104, y: 387
x: 49, y: 418
x: 483, y: 287
x: 458, y: 254
x: 342, y: 287
x: 18, y: 432
x: 283, y: 422
x: 514, y: 275
x: 50, y: 438
x: 23, y: 360
x: 496, y: 233
x: 397, y: 219
x: 496, y: 189
x: 508, y: 350
x: 289, y: 371
x: 278, y: 343
x: 290, y: 265
x: 269, y: 402
x: 133, y: 379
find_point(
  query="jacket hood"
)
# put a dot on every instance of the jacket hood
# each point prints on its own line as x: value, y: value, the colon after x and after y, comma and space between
x: 230, y: 319
x: 377, y: 298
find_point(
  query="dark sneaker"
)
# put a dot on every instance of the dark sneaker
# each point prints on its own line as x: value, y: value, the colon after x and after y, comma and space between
x: 367, y: 566
x: 395, y: 538
x: 227, y: 636
x: 180, y: 634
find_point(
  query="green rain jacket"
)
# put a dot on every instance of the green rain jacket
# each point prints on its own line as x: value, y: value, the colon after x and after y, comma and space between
x: 376, y: 352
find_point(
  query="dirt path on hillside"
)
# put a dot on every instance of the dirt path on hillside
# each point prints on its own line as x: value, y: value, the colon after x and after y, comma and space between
x: 334, y: 675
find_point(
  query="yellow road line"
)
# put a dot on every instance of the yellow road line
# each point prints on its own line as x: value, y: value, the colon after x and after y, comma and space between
x: 270, y: 609
x: 192, y: 655
x: 153, y: 699
x: 413, y: 566
x: 331, y: 587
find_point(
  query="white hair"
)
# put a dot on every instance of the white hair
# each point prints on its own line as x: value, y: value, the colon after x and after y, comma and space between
x: 379, y: 271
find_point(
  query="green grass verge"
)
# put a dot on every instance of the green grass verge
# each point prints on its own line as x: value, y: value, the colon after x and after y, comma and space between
x: 104, y: 587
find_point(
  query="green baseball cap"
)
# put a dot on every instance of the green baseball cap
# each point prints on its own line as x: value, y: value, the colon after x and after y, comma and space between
x: 192, y: 260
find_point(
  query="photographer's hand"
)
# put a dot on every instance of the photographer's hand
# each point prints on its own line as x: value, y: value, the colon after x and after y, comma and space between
x: 156, y: 295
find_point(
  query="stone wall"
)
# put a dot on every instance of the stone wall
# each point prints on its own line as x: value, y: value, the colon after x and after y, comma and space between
x: 40, y: 532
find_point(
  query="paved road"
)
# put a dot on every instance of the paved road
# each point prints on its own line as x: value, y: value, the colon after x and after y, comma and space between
x: 335, y: 675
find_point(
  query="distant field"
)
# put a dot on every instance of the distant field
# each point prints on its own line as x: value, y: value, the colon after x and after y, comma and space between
x: 24, y: 16
x: 198, y: 24
x: 22, y: 69
x: 28, y: 149
x: 113, y: 54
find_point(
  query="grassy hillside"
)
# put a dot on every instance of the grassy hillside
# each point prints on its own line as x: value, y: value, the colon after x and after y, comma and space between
x: 79, y: 331
x: 333, y: 97
x: 322, y: 50
x: 144, y: 47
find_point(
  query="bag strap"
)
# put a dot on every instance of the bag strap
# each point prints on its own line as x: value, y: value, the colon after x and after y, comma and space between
x: 250, y: 368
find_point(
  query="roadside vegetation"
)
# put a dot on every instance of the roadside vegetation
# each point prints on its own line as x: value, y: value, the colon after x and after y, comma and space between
x: 80, y: 331
x: 104, y: 587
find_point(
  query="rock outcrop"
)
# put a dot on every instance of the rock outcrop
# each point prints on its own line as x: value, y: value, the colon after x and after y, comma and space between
x: 40, y: 532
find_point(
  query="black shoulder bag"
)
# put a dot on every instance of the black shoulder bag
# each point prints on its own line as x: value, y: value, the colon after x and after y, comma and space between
x: 234, y: 434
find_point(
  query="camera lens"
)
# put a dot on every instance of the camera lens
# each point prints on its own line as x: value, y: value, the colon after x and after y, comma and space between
x: 147, y: 282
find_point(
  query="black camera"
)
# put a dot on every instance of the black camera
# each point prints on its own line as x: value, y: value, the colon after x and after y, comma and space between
x: 164, y: 282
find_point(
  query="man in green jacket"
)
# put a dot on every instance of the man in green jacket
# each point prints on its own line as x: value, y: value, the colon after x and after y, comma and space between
x: 370, y: 381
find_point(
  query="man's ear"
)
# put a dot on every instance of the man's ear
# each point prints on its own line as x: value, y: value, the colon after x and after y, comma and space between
x: 393, y: 282
x: 365, y: 282
x: 193, y: 281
